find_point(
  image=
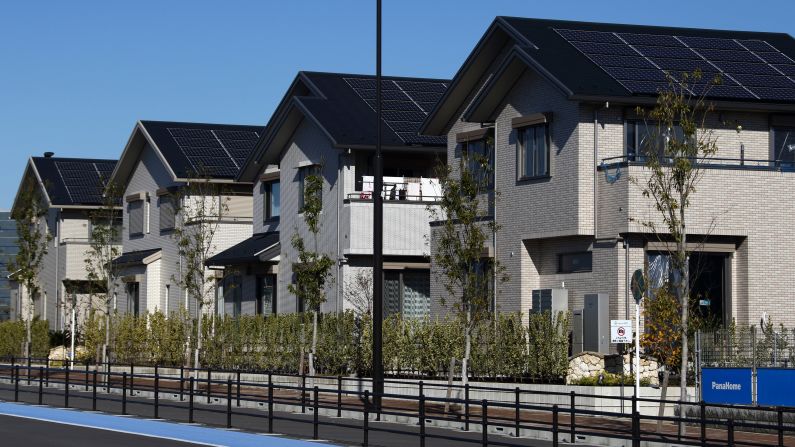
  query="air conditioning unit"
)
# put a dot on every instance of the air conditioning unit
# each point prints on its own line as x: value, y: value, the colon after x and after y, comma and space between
x: 596, y: 323
x: 552, y: 300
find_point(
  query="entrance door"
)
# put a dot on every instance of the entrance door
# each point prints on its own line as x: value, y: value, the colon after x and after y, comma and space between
x: 133, y: 297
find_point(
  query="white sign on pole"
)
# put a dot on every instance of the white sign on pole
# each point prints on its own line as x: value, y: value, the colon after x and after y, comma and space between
x: 620, y: 331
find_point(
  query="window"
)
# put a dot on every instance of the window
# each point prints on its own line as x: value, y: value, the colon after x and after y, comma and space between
x: 135, y: 212
x: 266, y: 295
x: 363, y: 166
x: 643, y: 139
x: 167, y: 212
x: 133, y: 298
x: 233, y: 294
x: 407, y: 292
x: 575, y: 262
x: 147, y: 215
x: 272, y: 200
x: 303, y: 173
x: 784, y: 146
x: 533, y: 152
x: 478, y: 158
x: 166, y: 301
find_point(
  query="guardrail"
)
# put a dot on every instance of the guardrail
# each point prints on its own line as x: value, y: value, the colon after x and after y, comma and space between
x: 335, y: 395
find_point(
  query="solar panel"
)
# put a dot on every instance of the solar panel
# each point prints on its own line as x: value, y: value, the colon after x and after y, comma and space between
x: 214, y: 152
x: 749, y: 68
x: 405, y: 104
x: 84, y: 180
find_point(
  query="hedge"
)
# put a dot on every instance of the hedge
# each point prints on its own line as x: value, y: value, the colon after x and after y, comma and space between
x: 503, y: 348
x: 12, y: 338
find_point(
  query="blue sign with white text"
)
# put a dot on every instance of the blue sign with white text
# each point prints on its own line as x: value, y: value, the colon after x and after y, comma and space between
x: 727, y: 385
x: 775, y: 387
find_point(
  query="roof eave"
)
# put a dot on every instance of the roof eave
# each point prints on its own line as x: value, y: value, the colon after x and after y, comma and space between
x: 745, y: 106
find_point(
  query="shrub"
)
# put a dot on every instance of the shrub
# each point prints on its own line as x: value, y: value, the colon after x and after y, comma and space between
x: 610, y: 379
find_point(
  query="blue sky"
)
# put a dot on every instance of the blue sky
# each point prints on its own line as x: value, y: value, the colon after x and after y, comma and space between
x: 75, y: 76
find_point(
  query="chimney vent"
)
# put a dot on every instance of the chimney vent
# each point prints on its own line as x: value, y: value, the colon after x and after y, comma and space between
x: 49, y: 154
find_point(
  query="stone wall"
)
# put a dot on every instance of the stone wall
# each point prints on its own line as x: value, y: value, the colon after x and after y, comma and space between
x: 590, y: 364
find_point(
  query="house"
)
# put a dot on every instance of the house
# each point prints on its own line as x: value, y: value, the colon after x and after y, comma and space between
x: 560, y: 100
x: 326, y: 125
x: 72, y: 191
x: 8, y: 249
x: 158, y: 171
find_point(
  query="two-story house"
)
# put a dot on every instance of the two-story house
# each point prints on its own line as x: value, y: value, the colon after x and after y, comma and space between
x: 326, y: 125
x: 155, y: 171
x: 72, y: 191
x: 560, y: 100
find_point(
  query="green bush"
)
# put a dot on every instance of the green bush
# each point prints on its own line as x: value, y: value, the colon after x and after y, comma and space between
x: 610, y: 379
x: 12, y: 338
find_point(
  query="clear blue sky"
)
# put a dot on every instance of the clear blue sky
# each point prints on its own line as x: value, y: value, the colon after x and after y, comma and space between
x: 76, y: 75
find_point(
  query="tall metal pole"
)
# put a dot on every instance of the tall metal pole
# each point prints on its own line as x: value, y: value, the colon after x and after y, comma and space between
x: 378, y: 219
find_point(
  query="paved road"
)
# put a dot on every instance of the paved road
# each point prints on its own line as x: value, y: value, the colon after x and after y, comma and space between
x: 35, y: 433
x: 335, y: 431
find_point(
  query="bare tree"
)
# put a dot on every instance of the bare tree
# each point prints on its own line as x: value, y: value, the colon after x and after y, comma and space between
x: 201, y: 205
x: 359, y: 292
x: 103, y: 248
x: 32, y: 240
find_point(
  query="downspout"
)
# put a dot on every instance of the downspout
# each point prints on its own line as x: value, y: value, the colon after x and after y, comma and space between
x: 340, y: 181
x: 626, y: 278
x: 494, y: 233
x: 58, y: 317
x: 596, y: 168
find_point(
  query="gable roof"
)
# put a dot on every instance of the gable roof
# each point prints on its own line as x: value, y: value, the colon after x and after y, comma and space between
x: 70, y: 182
x: 622, y: 63
x: 261, y: 247
x: 190, y: 150
x: 343, y: 107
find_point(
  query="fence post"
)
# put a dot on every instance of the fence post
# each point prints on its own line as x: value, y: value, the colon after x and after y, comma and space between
x: 270, y: 404
x: 366, y: 421
x: 107, y: 377
x: 730, y: 434
x: 339, y: 396
x: 86, y: 376
x: 190, y: 400
x: 124, y: 392
x: 484, y: 421
x: 422, y: 420
x: 572, y: 416
x: 41, y: 383
x: 516, y: 409
x: 555, y: 425
x: 16, y: 383
x: 703, y: 422
x: 29, y: 370
x: 94, y: 391
x: 303, y: 392
x: 181, y: 381
x: 466, y: 406
x: 636, y: 429
x: 157, y: 394
x: 780, y: 414
x: 66, y: 390
x: 47, y: 373
x: 238, y: 387
x: 315, y: 416
x: 132, y: 379
x: 228, y: 403
x: 209, y: 383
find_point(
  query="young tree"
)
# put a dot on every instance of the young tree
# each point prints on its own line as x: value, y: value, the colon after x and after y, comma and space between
x: 313, y: 269
x: 466, y: 270
x: 104, y: 247
x: 200, y: 206
x: 32, y: 240
x: 359, y: 292
x: 674, y: 165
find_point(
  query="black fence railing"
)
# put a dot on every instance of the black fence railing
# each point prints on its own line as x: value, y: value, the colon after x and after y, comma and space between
x: 567, y: 416
x: 708, y: 162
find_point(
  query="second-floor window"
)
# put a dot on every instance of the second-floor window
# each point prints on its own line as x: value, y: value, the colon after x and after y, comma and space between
x: 303, y: 173
x: 135, y: 213
x: 533, y: 151
x: 478, y: 159
x: 645, y: 138
x: 272, y: 200
x: 167, y: 212
x: 784, y: 146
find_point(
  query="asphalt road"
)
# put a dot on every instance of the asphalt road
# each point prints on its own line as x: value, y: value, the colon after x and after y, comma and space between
x: 17, y: 431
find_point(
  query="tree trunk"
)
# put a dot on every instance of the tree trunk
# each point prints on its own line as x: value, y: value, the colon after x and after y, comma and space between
x: 467, y: 349
x: 198, y: 336
x: 313, y: 350
x: 663, y: 395
x: 107, y: 331
x: 684, y: 292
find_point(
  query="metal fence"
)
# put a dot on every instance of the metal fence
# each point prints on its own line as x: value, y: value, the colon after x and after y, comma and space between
x: 749, y: 347
x: 229, y: 397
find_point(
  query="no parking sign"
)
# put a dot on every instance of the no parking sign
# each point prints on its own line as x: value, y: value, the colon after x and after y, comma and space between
x: 620, y: 331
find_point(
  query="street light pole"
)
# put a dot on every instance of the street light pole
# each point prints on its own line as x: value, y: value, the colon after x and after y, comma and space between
x: 378, y: 219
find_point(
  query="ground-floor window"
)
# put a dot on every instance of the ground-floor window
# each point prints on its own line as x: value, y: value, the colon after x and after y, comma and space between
x: 266, y: 294
x: 407, y: 292
x: 133, y: 297
x: 233, y: 294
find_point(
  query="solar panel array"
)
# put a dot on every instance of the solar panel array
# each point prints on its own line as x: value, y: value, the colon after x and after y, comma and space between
x: 84, y: 180
x: 748, y: 68
x: 214, y: 152
x: 404, y: 105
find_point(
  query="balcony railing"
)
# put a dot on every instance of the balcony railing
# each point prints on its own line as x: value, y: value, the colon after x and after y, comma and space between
x: 417, y: 189
x: 612, y: 163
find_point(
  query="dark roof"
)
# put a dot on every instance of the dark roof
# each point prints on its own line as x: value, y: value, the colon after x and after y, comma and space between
x: 261, y: 247
x: 343, y: 106
x: 134, y: 257
x: 605, y: 61
x: 197, y: 150
x: 74, y: 181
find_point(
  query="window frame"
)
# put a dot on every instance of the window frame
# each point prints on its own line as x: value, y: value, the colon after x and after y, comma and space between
x: 171, y: 200
x: 777, y: 162
x: 521, y: 153
x: 303, y: 173
x: 130, y: 211
x: 261, y: 280
x: 268, y: 202
x: 634, y: 124
x: 564, y: 271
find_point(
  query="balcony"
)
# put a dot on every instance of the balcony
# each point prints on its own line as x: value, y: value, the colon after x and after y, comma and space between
x: 408, y: 210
